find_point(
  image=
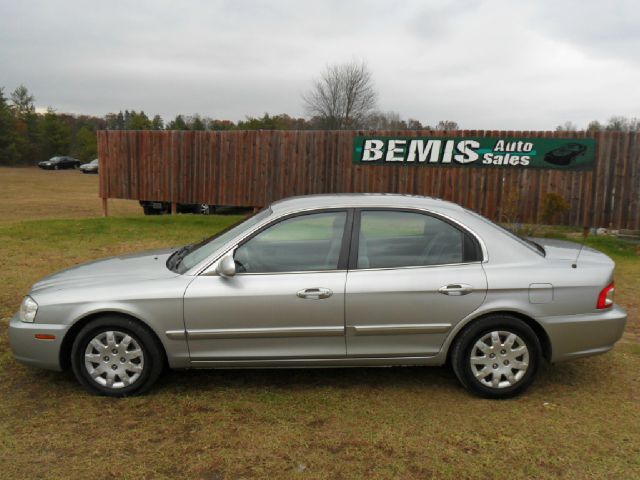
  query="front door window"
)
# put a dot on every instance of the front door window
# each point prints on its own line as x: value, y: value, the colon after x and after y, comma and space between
x: 302, y: 243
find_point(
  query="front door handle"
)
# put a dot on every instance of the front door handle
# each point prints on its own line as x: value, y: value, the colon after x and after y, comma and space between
x: 314, y: 293
x: 456, y: 289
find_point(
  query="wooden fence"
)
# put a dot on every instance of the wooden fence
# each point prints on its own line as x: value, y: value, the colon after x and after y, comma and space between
x: 253, y: 168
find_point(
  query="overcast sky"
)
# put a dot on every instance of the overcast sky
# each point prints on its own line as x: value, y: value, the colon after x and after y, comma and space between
x: 485, y: 64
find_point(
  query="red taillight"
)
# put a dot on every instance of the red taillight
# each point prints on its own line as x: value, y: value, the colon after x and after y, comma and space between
x: 605, y: 299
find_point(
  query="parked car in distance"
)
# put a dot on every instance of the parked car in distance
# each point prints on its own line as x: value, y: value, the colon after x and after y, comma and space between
x: 91, y: 167
x: 59, y: 163
x: 151, y: 207
x: 329, y: 280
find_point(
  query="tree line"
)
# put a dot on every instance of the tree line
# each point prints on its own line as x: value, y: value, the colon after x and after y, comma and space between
x: 617, y: 123
x: 342, y: 97
x: 27, y: 136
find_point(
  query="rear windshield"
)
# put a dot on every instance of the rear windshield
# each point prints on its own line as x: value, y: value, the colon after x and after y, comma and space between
x: 531, y: 245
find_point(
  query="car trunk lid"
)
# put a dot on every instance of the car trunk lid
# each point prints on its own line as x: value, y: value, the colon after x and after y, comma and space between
x: 573, y: 252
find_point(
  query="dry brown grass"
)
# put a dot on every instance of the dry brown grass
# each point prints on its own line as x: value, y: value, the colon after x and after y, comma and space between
x: 32, y: 193
x: 580, y: 420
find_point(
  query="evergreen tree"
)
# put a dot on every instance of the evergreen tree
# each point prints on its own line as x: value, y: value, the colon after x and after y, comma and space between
x: 56, y: 135
x: 157, y: 123
x: 138, y: 121
x: 120, y: 124
x: 196, y: 123
x: 8, y: 151
x: 27, y: 141
x: 220, y: 124
x: 177, y: 123
x: 86, y: 144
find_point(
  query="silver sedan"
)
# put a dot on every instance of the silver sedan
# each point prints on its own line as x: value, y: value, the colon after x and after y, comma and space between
x: 329, y: 280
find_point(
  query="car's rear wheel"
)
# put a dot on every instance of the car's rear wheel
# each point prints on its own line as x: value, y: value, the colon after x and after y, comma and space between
x: 116, y: 356
x: 206, y: 209
x: 496, y: 357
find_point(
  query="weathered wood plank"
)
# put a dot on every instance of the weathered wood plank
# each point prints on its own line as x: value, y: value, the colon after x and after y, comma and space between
x: 253, y: 168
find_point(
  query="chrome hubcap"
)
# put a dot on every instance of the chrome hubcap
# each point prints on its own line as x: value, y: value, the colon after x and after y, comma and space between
x: 499, y: 359
x: 204, y: 209
x: 114, y: 359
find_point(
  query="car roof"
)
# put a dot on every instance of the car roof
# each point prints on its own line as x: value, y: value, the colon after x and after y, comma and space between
x: 362, y: 200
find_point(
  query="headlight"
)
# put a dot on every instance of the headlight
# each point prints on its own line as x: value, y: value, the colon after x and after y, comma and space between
x: 28, y: 309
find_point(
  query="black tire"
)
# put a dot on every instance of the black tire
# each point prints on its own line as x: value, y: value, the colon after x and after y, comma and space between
x: 464, y: 345
x: 152, y: 351
x: 206, y: 209
x: 56, y: 167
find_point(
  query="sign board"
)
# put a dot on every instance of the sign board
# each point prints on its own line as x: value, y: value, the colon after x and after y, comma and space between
x: 503, y: 152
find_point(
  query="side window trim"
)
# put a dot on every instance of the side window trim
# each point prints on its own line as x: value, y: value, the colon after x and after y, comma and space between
x: 344, y: 248
x: 355, y: 237
x: 352, y: 263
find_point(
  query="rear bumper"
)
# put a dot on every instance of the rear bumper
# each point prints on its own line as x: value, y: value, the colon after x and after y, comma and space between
x: 575, y: 336
x: 32, y: 351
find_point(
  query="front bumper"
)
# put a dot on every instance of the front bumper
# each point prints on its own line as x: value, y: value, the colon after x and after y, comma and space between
x: 575, y: 336
x: 32, y: 351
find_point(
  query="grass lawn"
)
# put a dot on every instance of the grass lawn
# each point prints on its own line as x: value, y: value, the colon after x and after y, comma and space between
x: 581, y: 419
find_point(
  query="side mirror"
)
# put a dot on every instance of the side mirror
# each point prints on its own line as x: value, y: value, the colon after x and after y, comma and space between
x: 226, y: 266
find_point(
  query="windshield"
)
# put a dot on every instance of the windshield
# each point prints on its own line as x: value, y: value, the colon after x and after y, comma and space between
x: 208, y: 246
x: 531, y: 245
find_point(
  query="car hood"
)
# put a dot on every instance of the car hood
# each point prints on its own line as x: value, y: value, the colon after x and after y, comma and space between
x: 114, y: 270
x: 564, y: 250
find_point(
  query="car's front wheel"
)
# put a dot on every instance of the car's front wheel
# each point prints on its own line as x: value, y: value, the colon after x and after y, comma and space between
x: 496, y: 356
x: 116, y: 356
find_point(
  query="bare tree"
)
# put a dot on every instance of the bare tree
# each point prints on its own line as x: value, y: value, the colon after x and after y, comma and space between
x: 413, y: 124
x: 447, y: 125
x: 22, y: 101
x: 623, y: 124
x: 595, y: 126
x: 384, y: 121
x: 567, y: 126
x: 342, y: 97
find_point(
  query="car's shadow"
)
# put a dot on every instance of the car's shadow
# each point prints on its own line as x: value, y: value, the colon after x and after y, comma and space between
x: 310, y: 378
x: 430, y: 379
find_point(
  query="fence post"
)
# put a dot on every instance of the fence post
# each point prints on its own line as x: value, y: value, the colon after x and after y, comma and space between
x: 105, y: 207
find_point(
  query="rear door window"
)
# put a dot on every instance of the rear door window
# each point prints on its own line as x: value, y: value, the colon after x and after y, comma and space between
x: 393, y: 238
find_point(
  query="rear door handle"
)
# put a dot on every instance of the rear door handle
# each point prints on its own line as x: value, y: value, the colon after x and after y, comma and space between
x: 314, y: 293
x: 456, y: 289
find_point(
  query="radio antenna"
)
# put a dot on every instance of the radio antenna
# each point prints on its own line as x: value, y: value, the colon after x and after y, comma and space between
x: 585, y: 234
